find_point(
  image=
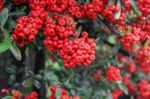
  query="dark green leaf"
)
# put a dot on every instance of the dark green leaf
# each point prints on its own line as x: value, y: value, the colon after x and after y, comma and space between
x: 11, y: 69
x: 28, y: 82
x: 15, y: 51
x: 135, y: 8
x: 12, y: 79
x: 79, y: 31
x: 122, y: 87
x: 7, y: 97
x: 3, y: 17
x: 37, y: 84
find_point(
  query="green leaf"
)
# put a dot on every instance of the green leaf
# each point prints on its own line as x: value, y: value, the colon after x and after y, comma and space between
x: 83, y: 20
x: 51, y: 76
x: 4, y: 46
x: 3, y: 17
x: 37, y: 84
x: 7, y: 97
x: 6, y: 34
x: 15, y: 51
x: 12, y: 79
x: 122, y: 87
x: 48, y: 93
x: 135, y: 8
x: 79, y: 31
x: 10, y: 69
x: 17, y: 14
x: 58, y: 93
x: 57, y: 66
x: 28, y: 82
x: 112, y: 39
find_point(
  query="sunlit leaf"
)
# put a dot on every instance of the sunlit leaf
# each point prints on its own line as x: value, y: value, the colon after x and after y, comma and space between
x: 4, y: 46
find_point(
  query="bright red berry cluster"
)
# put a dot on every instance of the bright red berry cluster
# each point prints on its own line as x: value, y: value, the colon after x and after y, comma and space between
x: 143, y: 57
x: 144, y: 89
x: 93, y: 9
x: 32, y: 95
x: 36, y: 4
x: 27, y: 26
x: 139, y: 34
x: 144, y: 7
x: 127, y: 5
x: 63, y: 95
x: 143, y: 30
x: 129, y: 40
x: 57, y: 32
x: 81, y: 51
x: 144, y: 67
x: 113, y: 74
x: 71, y: 7
x: 109, y: 12
x: 1, y: 5
x: 65, y: 6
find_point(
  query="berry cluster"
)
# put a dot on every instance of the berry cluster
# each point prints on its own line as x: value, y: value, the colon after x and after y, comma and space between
x: 90, y: 10
x: 143, y: 30
x: 139, y: 35
x: 65, y: 6
x: 113, y: 74
x: 144, y: 89
x: 32, y: 95
x: 36, y: 4
x: 129, y: 40
x: 93, y: 9
x: 57, y: 32
x: 144, y: 7
x: 71, y: 7
x: 98, y: 75
x: 81, y: 51
x: 63, y: 95
x: 131, y: 67
x: 127, y: 5
x: 17, y: 2
x: 109, y: 12
x: 143, y: 57
x: 27, y: 27
x: 1, y: 5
